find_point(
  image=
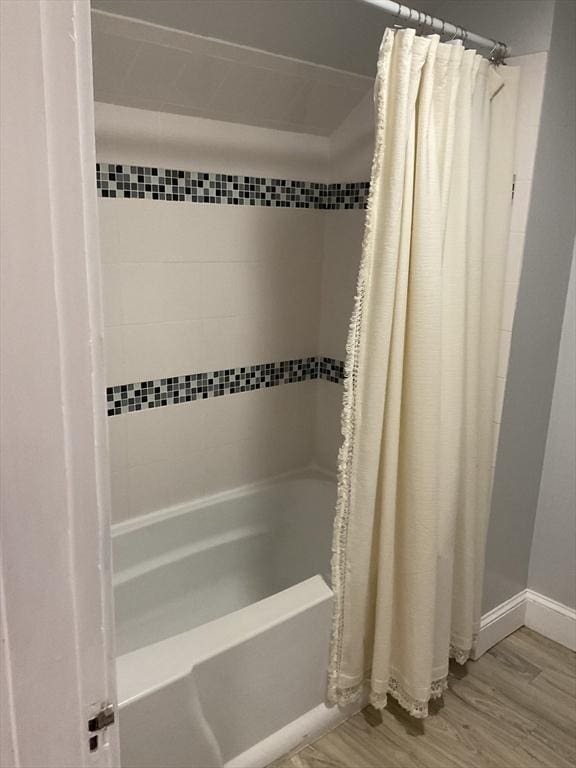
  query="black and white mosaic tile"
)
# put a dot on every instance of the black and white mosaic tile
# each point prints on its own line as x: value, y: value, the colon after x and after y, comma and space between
x: 349, y: 195
x: 331, y: 370
x: 147, y: 183
x: 156, y: 393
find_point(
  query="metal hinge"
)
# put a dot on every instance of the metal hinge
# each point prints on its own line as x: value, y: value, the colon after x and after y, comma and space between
x: 513, y: 185
x: 97, y: 722
x: 102, y: 719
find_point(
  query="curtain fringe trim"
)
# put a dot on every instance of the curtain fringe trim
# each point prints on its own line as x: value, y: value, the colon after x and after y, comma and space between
x: 415, y: 707
x: 348, y: 415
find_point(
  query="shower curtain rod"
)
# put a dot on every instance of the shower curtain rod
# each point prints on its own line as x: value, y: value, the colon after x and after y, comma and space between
x: 498, y: 50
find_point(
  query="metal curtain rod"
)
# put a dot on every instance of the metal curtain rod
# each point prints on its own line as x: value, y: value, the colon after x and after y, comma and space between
x: 498, y: 50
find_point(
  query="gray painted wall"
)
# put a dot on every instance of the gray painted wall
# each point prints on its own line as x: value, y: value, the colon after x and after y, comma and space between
x: 537, y: 324
x: 552, y: 569
x: 525, y: 25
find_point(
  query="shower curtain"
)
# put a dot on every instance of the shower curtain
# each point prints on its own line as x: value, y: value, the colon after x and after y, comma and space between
x: 415, y: 464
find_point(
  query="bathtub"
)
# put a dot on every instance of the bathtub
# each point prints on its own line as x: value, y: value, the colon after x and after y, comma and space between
x: 222, y: 622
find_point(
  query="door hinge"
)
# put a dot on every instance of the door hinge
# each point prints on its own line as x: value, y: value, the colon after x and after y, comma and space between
x: 98, y: 722
x: 102, y: 719
x: 513, y: 185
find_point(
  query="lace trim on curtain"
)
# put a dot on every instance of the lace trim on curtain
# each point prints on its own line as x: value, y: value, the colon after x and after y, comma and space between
x: 415, y: 707
x: 348, y: 416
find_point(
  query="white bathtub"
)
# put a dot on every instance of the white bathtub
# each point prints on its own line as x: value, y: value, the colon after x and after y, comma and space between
x: 223, y: 617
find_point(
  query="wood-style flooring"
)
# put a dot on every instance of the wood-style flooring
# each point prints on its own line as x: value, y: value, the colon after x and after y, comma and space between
x: 515, y: 706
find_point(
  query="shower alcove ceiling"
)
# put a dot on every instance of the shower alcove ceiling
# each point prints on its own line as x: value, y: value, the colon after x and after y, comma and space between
x: 232, y: 185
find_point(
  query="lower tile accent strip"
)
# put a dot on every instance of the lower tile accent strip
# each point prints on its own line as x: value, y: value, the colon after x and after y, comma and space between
x: 157, y: 393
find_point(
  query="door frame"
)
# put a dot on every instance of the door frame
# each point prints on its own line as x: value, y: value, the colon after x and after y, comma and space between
x: 57, y: 653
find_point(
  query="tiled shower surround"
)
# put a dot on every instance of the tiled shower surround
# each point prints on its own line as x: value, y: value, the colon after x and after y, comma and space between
x: 215, y: 305
x: 122, y: 181
x: 147, y: 183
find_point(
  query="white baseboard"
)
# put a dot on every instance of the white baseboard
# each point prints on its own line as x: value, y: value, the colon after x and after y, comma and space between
x: 551, y: 619
x: 528, y: 608
x: 501, y: 622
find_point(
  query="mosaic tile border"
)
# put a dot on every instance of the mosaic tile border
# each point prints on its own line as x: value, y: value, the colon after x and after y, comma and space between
x: 158, y: 393
x: 331, y: 370
x: 148, y: 183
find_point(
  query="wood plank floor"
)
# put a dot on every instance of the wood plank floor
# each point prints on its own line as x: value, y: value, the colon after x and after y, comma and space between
x: 515, y: 706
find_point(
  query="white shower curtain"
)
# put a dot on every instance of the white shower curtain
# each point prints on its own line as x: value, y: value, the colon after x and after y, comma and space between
x: 415, y: 464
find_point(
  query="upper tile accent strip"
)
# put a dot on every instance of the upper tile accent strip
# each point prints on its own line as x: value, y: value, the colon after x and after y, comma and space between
x: 146, y: 183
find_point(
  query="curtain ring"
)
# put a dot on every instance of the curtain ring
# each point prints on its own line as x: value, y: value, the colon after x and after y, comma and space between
x: 456, y: 33
x: 397, y: 17
x: 498, y: 53
x: 491, y: 56
x: 420, y: 23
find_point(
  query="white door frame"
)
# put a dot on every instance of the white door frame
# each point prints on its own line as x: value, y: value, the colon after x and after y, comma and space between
x: 57, y: 661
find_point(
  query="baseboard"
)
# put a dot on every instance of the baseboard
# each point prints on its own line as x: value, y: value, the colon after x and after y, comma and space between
x: 501, y: 622
x: 551, y: 619
x: 528, y: 608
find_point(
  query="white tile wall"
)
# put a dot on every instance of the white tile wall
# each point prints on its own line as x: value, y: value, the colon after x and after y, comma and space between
x: 194, y: 287
x: 167, y: 140
x: 280, y: 322
x: 155, y: 347
x: 171, y: 455
x: 327, y: 428
x: 167, y: 70
x: 155, y: 293
x: 343, y: 231
x: 159, y: 231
